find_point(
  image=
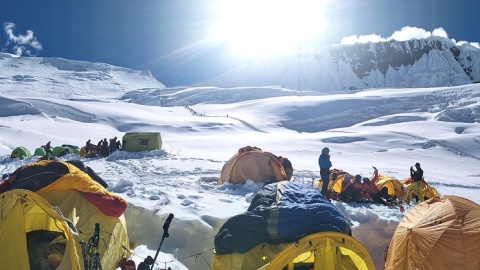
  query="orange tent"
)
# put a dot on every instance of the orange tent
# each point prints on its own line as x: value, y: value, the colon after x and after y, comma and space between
x: 252, y: 164
x: 440, y: 233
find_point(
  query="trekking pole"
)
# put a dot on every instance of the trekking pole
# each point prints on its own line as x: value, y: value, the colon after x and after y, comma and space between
x: 93, y: 248
x: 84, y: 253
x: 165, y: 235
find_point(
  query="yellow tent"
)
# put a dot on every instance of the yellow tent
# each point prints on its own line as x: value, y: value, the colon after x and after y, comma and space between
x: 323, y: 251
x: 83, y: 151
x: 336, y: 184
x: 395, y: 187
x: 428, y: 191
x: 114, y: 244
x: 440, y: 233
x: 255, y: 165
x: 24, y: 213
x: 82, y: 200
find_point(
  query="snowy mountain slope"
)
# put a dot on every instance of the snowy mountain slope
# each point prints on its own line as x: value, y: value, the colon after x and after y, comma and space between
x: 46, y: 77
x: 12, y: 107
x: 431, y: 62
x: 186, y: 96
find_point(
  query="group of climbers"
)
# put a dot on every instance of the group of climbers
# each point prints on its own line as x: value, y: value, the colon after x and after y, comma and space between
x: 358, y: 189
x: 103, y: 148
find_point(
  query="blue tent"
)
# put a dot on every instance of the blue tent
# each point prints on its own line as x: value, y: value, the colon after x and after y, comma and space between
x: 280, y: 212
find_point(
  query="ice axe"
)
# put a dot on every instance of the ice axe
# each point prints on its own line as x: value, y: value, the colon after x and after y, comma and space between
x: 165, y: 235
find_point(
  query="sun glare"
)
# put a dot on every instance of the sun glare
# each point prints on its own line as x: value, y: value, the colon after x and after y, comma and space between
x: 257, y: 27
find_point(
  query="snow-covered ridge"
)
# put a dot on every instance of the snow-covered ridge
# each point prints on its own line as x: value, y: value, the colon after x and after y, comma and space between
x: 54, y: 77
x: 7, y: 55
x: 430, y: 62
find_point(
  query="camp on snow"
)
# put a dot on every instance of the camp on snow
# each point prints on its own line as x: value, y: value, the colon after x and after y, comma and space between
x: 251, y: 163
x: 440, y: 233
x: 141, y: 141
x: 48, y: 207
x: 289, y: 224
x: 57, y: 151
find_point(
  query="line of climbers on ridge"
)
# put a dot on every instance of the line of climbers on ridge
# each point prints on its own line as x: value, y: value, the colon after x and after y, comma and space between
x: 358, y: 189
x: 103, y: 148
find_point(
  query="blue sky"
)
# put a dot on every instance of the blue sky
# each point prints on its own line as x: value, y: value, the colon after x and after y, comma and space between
x: 179, y: 42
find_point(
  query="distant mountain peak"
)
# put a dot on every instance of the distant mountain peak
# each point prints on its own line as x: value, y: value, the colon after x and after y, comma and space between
x: 431, y: 62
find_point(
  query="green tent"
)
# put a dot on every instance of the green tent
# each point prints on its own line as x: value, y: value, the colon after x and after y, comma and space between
x: 40, y: 151
x: 20, y: 152
x: 141, y: 141
x: 73, y: 148
x: 59, y: 151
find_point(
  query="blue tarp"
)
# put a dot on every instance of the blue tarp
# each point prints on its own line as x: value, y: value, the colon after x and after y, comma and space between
x: 281, y: 212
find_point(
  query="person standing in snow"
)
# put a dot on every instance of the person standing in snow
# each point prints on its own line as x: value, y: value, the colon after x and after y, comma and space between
x: 113, y: 145
x: 87, y: 147
x: 104, y: 150
x: 417, y: 186
x: 325, y: 165
x: 99, y: 147
x: 48, y: 149
x: 417, y: 173
x: 119, y: 145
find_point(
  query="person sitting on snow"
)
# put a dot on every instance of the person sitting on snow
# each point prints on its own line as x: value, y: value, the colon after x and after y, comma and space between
x: 351, y: 192
x: 345, y: 191
x: 359, y: 193
x: 417, y: 186
x: 370, y: 187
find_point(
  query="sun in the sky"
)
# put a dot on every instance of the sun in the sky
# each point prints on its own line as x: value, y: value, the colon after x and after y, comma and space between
x: 262, y: 27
